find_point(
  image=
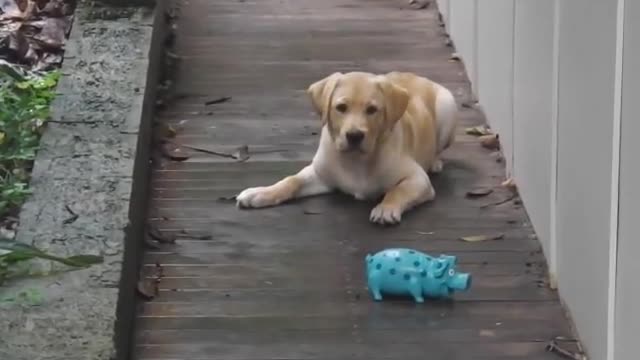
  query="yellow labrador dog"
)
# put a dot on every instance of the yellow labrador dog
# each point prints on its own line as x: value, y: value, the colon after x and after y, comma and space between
x: 381, y: 135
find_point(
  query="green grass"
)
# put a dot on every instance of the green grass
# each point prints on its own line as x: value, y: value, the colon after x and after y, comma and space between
x: 24, y: 109
x: 13, y: 253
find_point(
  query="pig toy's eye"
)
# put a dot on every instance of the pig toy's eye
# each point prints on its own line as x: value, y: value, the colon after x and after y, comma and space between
x: 451, y: 272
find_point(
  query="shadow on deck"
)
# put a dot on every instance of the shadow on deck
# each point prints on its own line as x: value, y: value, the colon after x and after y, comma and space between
x: 288, y: 282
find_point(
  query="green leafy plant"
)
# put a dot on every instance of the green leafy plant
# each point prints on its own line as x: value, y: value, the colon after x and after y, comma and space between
x: 24, y: 108
x: 29, y: 297
x: 12, y: 253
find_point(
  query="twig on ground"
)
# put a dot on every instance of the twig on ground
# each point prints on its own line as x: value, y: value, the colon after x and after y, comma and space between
x: 73, y: 217
x: 554, y: 347
x: 219, y: 100
x: 512, y: 197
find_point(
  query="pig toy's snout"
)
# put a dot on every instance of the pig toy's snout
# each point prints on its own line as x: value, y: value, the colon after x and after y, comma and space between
x: 460, y: 281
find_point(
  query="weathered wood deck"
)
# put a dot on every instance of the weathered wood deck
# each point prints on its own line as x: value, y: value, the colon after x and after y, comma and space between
x: 288, y: 282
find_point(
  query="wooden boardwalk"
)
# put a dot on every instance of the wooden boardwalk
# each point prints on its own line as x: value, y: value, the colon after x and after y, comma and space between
x: 288, y: 282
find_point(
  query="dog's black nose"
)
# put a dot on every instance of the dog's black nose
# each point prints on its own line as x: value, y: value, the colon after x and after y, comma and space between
x: 355, y: 137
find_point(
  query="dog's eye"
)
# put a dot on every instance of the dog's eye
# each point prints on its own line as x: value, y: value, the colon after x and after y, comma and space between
x: 341, y: 108
x: 371, y: 110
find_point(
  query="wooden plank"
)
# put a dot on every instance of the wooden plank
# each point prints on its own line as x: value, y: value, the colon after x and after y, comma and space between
x: 248, y: 270
x: 495, y: 334
x: 399, y: 315
x: 333, y: 350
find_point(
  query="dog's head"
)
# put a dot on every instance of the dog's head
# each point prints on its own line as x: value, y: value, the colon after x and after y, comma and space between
x: 358, y: 108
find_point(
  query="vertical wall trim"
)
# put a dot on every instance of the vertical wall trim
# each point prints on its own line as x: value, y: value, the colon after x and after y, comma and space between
x: 448, y: 14
x: 615, y: 182
x: 512, y: 91
x: 476, y: 76
x: 553, y: 227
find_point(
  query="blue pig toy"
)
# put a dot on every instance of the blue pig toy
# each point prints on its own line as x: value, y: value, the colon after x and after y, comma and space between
x: 410, y: 272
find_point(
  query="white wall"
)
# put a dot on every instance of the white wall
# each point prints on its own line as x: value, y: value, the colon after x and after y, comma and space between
x: 495, y: 39
x: 585, y: 111
x: 443, y: 6
x: 544, y: 72
x: 627, y: 330
x: 462, y: 28
x: 532, y: 110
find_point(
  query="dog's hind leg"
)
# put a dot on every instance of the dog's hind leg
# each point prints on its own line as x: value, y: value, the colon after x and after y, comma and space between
x: 446, y: 118
x: 446, y: 122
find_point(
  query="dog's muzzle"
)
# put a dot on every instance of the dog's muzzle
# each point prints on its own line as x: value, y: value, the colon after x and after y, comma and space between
x: 354, y: 138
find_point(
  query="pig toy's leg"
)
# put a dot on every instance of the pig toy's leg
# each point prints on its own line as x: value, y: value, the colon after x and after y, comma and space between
x: 415, y: 288
x: 374, y: 285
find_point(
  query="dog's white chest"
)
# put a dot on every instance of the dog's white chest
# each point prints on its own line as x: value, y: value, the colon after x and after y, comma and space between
x: 358, y: 182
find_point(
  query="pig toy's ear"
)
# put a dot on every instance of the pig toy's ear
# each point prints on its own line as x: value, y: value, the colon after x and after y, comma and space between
x: 438, y: 267
x: 369, y: 259
x: 451, y: 260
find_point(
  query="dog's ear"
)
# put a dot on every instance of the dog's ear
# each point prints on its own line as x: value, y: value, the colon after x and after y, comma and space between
x: 396, y: 99
x: 320, y: 93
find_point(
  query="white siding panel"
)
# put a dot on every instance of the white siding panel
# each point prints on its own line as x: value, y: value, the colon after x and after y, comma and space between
x: 532, y: 128
x: 443, y: 7
x: 628, y: 287
x: 462, y: 18
x: 495, y: 69
x: 585, y: 130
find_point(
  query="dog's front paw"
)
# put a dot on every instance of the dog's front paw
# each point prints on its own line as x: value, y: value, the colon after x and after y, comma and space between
x: 386, y: 215
x: 256, y: 197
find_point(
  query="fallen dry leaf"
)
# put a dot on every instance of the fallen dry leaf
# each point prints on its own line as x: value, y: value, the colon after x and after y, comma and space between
x: 467, y: 104
x: 147, y: 290
x: 148, y: 287
x: 477, y: 238
x: 454, y: 57
x: 490, y: 142
x: 158, y: 236
x: 33, y: 33
x: 55, y: 8
x: 15, y: 9
x: 173, y: 152
x: 555, y: 347
x: 195, y: 236
x: 150, y: 244
x: 53, y: 33
x: 478, y: 130
x: 163, y: 131
x: 479, y: 192
x: 242, y: 153
x: 487, y: 333
x: 497, y: 156
x: 509, y: 183
x: 421, y: 4
x: 227, y: 198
